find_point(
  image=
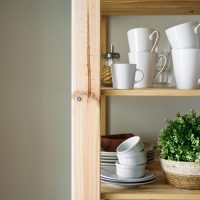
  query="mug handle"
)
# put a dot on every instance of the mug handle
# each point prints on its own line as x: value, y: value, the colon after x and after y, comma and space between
x: 142, y: 75
x: 156, y: 41
x: 165, y: 62
x: 196, y: 29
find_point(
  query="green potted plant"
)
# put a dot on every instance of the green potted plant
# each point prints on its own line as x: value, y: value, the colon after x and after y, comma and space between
x: 179, y: 147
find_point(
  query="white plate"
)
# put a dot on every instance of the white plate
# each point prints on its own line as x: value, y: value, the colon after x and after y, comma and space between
x: 128, y: 185
x: 108, y: 153
x: 109, y: 161
x: 114, y: 153
x: 111, y: 181
x: 110, y: 174
x: 109, y: 157
x: 107, y: 164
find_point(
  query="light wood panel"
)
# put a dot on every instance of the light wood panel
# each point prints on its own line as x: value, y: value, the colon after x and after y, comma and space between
x: 104, y: 34
x: 157, y: 190
x: 150, y: 7
x: 103, y: 115
x: 85, y: 100
x: 104, y: 48
x: 150, y: 92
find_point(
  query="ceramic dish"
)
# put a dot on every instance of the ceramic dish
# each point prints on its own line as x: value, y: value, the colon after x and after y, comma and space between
x: 108, y: 161
x: 109, y: 157
x: 108, y: 153
x: 110, y: 173
x: 111, y: 142
x: 134, y: 159
x: 107, y: 164
x: 128, y: 185
x: 130, y: 171
x: 131, y: 145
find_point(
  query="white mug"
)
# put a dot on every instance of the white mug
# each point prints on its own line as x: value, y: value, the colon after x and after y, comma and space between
x: 143, y: 39
x: 123, y: 76
x: 184, y: 36
x: 146, y: 61
x: 186, y: 63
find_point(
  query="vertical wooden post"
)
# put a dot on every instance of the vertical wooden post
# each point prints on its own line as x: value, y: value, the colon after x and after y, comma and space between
x: 85, y: 99
x: 104, y: 33
x: 104, y: 48
x: 103, y: 115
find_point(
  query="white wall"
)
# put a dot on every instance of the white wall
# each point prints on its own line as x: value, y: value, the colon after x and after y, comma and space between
x: 144, y: 116
x: 34, y: 104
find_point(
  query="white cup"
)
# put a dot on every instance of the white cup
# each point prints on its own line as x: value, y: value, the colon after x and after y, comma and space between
x: 127, y: 171
x: 184, y: 36
x: 132, y: 159
x: 143, y: 39
x: 146, y: 61
x: 123, y: 76
x: 130, y: 146
x: 186, y: 63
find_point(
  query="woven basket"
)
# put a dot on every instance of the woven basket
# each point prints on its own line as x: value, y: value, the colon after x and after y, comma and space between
x: 182, y: 174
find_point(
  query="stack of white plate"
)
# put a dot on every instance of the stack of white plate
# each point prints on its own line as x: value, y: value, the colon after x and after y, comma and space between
x: 110, y: 158
x: 108, y: 175
x: 150, y: 152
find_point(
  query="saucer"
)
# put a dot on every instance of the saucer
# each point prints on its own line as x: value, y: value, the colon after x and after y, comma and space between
x: 109, y: 173
x: 127, y: 185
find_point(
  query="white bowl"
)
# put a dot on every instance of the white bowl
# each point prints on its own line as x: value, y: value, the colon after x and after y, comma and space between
x: 132, y: 159
x: 126, y: 171
x: 131, y: 145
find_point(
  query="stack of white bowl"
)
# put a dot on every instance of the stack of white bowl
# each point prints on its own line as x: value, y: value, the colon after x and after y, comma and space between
x: 142, y: 44
x: 131, y: 158
x: 185, y: 42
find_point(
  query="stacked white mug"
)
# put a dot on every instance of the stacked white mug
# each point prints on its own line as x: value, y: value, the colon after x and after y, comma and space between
x: 185, y: 42
x: 142, y: 44
x: 132, y: 158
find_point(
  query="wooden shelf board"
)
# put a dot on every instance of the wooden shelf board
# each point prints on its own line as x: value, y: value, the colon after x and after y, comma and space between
x: 149, y: 92
x: 150, y: 7
x: 160, y: 189
x: 156, y: 190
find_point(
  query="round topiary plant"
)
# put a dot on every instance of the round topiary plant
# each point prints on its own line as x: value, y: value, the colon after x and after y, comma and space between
x: 179, y: 140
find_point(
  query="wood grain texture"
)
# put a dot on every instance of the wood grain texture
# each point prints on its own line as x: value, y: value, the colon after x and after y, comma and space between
x: 104, y: 34
x: 150, y: 7
x: 104, y: 48
x: 150, y: 92
x: 85, y: 100
x: 103, y: 115
x: 154, y: 191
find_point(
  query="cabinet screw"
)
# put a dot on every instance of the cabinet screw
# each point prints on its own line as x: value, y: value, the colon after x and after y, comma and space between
x: 79, y: 99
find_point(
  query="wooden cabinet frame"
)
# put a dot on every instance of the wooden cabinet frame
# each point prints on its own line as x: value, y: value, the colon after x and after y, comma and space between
x: 85, y: 99
x: 89, y: 100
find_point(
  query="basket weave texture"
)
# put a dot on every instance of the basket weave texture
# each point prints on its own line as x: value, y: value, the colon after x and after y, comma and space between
x: 183, y: 181
x: 106, y: 76
x: 182, y: 174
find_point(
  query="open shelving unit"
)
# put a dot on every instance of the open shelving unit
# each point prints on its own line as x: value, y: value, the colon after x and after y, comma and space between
x: 89, y: 34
